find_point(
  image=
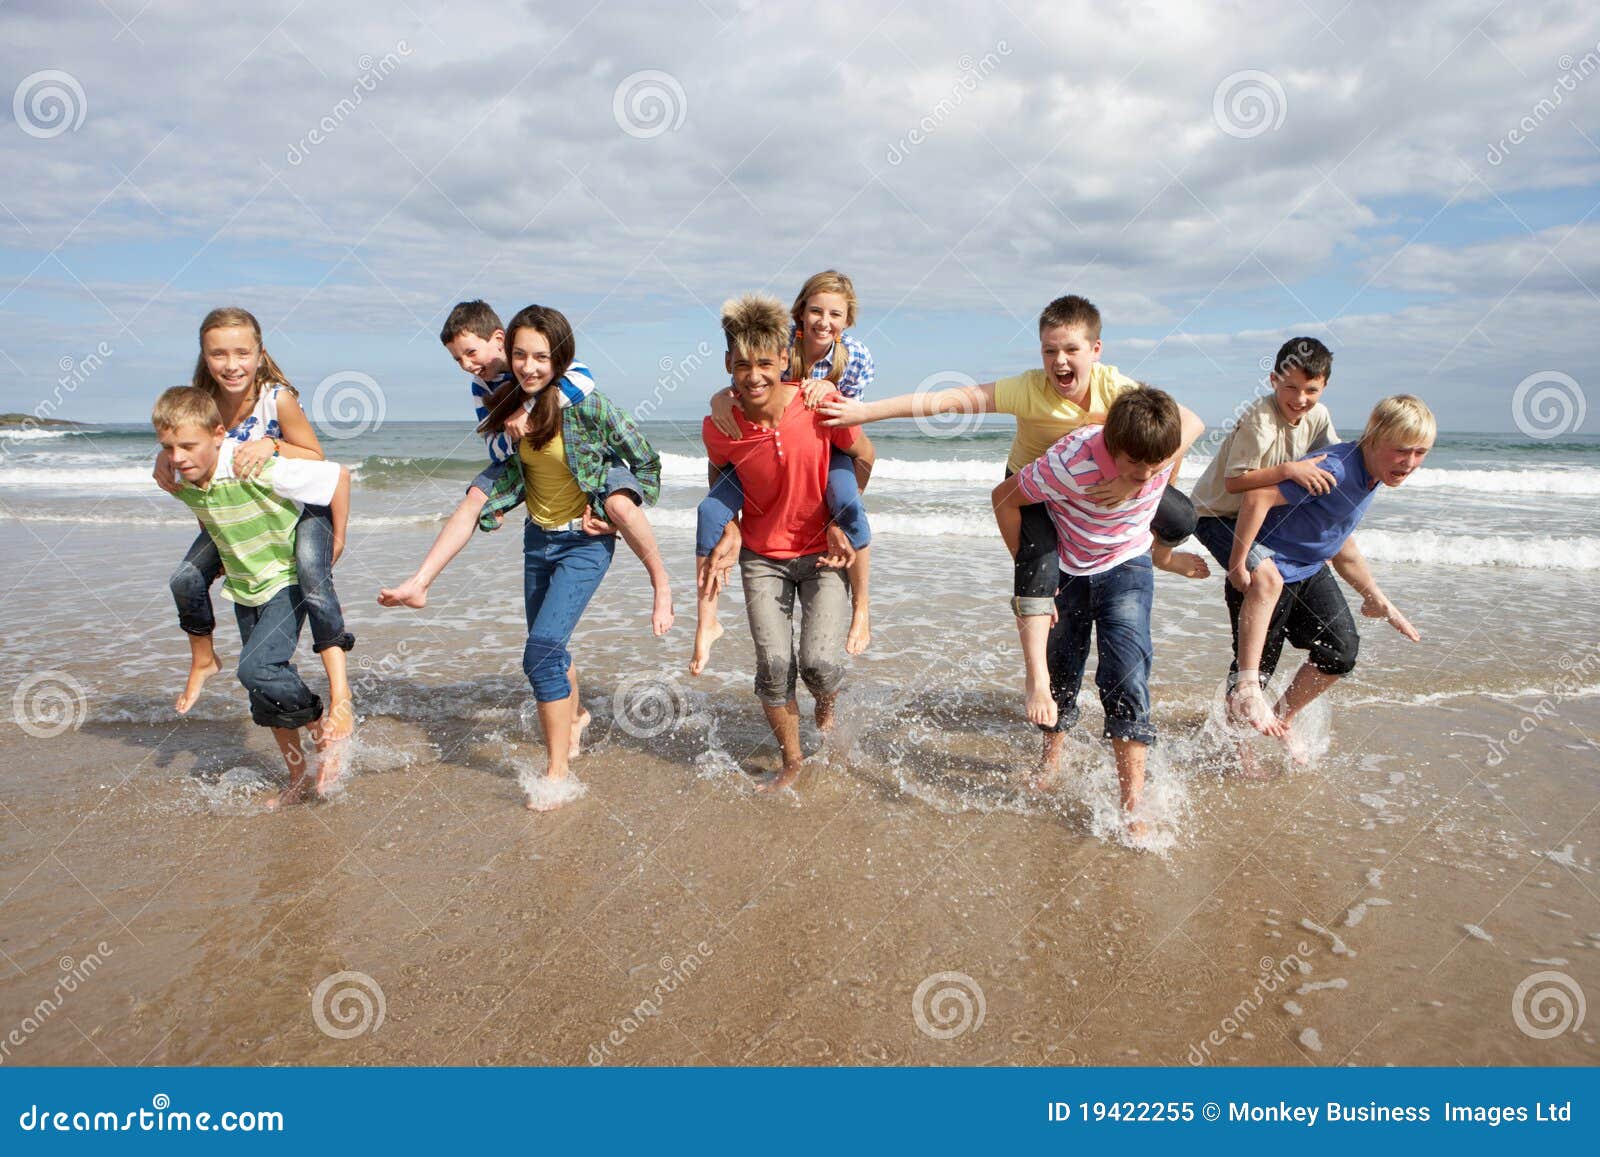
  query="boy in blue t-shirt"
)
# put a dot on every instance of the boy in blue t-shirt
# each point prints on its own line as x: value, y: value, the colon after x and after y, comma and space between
x: 1293, y: 594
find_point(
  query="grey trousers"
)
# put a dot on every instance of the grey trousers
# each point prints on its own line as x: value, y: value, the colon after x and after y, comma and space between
x: 770, y: 587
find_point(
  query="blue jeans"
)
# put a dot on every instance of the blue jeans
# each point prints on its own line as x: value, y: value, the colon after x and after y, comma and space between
x: 1115, y: 605
x: 561, y: 570
x: 313, y: 561
x: 269, y: 633
x: 1216, y: 535
x: 726, y: 499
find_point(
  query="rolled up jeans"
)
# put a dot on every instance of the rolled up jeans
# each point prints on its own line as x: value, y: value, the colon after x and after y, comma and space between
x: 726, y: 499
x: 1114, y: 606
x: 770, y: 588
x: 561, y: 570
x: 269, y: 634
x: 313, y: 559
x: 1036, y: 574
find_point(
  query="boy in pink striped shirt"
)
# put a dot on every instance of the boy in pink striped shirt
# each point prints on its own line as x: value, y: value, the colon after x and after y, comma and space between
x: 1107, y: 580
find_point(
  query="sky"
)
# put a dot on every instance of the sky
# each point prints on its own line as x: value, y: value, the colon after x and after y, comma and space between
x: 1415, y: 184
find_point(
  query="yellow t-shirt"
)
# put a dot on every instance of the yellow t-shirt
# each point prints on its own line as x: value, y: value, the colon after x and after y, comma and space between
x: 1044, y: 417
x: 553, y: 494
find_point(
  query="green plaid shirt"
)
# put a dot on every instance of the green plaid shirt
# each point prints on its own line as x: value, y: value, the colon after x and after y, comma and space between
x: 597, y: 436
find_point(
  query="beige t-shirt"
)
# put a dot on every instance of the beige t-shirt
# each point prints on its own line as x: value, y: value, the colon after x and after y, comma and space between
x: 1259, y: 439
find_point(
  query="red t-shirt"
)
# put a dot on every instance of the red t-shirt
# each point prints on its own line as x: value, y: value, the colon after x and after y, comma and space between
x: 784, y: 474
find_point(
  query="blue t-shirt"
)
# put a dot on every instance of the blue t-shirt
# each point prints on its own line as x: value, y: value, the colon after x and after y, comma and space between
x: 1310, y: 528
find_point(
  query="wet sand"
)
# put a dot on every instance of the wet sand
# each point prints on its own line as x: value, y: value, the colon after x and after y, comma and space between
x: 674, y: 916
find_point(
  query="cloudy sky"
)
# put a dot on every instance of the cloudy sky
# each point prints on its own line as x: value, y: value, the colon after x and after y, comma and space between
x: 1416, y: 184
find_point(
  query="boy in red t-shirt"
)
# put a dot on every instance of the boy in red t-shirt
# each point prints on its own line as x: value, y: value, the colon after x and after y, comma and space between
x: 790, y: 545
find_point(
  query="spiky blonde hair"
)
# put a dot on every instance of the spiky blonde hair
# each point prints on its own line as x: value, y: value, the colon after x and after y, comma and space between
x: 755, y: 323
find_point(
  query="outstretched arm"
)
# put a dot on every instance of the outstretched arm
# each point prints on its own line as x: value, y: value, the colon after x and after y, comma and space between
x: 1351, y: 566
x: 978, y: 399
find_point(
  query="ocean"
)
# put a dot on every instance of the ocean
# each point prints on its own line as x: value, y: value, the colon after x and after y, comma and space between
x: 1453, y: 784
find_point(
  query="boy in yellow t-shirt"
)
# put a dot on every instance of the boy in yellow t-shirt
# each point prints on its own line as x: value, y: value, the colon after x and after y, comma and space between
x: 1073, y: 388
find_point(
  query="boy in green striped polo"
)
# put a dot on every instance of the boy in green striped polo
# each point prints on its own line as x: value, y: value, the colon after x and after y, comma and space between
x: 252, y: 521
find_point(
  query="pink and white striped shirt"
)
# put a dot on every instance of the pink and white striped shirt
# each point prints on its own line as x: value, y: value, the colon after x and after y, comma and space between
x: 1090, y: 538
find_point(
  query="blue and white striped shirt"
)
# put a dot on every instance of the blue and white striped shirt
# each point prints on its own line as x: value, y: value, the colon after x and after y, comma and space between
x: 574, y: 386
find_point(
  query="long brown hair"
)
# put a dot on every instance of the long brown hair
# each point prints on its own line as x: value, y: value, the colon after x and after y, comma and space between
x: 828, y: 281
x: 553, y: 325
x: 267, y: 372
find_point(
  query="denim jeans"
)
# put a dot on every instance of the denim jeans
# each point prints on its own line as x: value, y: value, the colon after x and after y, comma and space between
x: 770, y: 587
x: 1035, y: 574
x: 843, y: 496
x: 1115, y: 606
x: 269, y: 633
x: 1216, y: 535
x: 1314, y: 616
x: 313, y: 561
x: 561, y: 570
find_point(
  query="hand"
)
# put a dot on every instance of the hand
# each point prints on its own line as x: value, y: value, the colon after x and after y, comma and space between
x: 517, y: 425
x: 722, y: 413
x: 840, y: 555
x: 816, y: 389
x: 165, y: 476
x: 338, y: 547
x: 596, y: 526
x: 841, y: 411
x: 1112, y: 493
x: 1239, y: 576
x: 1376, y: 606
x: 712, y: 571
x: 1309, y: 475
x: 251, y: 456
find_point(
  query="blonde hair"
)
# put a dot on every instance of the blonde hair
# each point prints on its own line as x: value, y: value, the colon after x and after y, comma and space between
x: 755, y: 323
x: 1403, y: 420
x: 828, y: 281
x: 185, y: 406
x: 267, y: 372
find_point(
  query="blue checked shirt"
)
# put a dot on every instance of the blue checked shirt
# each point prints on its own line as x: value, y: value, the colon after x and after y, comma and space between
x: 574, y: 386
x: 858, y: 367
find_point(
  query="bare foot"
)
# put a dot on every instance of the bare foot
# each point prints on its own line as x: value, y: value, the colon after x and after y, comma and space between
x: 340, y: 720
x: 1182, y: 562
x: 580, y: 724
x: 1041, y: 704
x: 411, y: 593
x: 1250, y: 765
x: 860, y: 636
x: 1138, y: 834
x: 297, y: 792
x: 825, y: 712
x: 333, y: 755
x: 704, y: 635
x: 661, y: 614
x: 1247, y: 703
x: 1047, y: 775
x: 198, y: 674
x: 1294, y: 742
x: 554, y: 789
x: 782, y: 780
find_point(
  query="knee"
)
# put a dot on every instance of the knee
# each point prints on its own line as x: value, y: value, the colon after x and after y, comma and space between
x: 774, y: 674
x: 1266, y: 581
x: 822, y: 678
x: 544, y: 662
x: 1337, y: 656
x: 187, y: 582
